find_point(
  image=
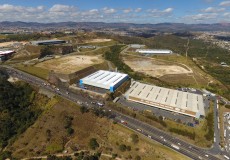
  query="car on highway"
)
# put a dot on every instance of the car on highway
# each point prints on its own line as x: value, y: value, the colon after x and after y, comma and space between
x: 226, y: 157
x: 139, y: 130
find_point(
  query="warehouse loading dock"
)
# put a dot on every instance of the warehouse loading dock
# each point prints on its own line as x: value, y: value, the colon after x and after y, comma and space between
x: 189, y: 104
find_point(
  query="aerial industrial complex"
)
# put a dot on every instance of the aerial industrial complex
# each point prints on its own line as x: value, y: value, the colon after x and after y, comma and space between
x: 186, y: 103
x: 104, y: 79
x: 189, y: 104
x: 154, y: 51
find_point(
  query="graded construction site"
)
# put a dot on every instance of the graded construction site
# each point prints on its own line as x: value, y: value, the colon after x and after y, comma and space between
x: 70, y: 64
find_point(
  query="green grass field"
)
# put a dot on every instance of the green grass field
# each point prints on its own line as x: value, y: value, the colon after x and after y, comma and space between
x: 36, y: 71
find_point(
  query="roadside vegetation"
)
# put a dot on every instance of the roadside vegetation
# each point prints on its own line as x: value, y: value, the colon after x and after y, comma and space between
x: 200, y: 135
x: 92, y: 132
x: 20, y: 106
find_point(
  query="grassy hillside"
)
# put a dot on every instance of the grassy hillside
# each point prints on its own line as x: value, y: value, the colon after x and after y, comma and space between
x: 50, y: 134
x: 20, y: 106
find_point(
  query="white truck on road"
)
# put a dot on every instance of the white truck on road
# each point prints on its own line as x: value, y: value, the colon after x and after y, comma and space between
x: 175, y: 146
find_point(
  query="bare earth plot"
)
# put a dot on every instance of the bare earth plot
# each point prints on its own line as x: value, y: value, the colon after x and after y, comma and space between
x: 171, y: 69
x: 5, y: 44
x: 98, y: 40
x: 70, y: 64
x: 154, y: 68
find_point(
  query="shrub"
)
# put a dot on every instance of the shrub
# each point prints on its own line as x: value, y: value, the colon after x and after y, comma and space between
x: 135, y: 138
x: 93, y: 143
x: 122, y: 147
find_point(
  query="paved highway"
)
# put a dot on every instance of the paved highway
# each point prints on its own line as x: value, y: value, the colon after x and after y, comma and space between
x: 150, y: 131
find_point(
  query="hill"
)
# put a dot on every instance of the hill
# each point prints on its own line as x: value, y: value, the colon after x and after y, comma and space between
x: 122, y: 26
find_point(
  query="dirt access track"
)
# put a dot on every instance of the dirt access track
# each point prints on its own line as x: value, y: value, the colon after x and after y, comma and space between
x: 154, y: 67
x: 70, y: 64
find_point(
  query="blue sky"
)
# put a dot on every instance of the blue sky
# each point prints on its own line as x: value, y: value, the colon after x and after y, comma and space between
x: 136, y: 11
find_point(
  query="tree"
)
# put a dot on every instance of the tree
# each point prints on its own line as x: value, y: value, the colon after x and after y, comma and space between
x: 137, y: 158
x: 114, y: 155
x: 128, y: 148
x: 83, y: 109
x: 135, y: 138
x: 122, y: 148
x: 93, y: 143
x: 47, y: 50
x: 70, y: 131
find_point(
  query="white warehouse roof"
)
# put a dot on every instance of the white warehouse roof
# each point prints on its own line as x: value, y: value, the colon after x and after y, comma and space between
x: 169, y: 99
x: 154, y: 51
x: 6, y: 52
x: 104, y: 79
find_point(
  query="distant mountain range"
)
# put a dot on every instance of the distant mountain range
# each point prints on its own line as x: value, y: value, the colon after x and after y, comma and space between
x: 101, y: 25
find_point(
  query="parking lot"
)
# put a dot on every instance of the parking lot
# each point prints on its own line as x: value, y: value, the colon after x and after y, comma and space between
x: 227, y: 131
x: 158, y: 112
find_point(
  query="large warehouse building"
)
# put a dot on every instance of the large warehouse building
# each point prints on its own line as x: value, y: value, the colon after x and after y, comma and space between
x: 189, y: 104
x: 105, y: 79
x: 154, y: 51
x: 47, y: 42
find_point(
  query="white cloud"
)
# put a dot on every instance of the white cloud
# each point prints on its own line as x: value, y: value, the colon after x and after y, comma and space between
x: 168, y: 10
x: 109, y: 10
x: 11, y: 8
x: 227, y: 14
x: 127, y: 10
x: 138, y: 10
x: 160, y: 13
x: 201, y: 17
x: 62, y: 8
x: 213, y: 10
x: 225, y: 3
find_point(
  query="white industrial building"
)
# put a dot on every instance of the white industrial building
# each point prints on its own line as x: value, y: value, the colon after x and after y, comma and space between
x: 136, y: 46
x: 5, y: 54
x: 189, y: 104
x: 47, y: 42
x: 105, y: 79
x: 154, y: 51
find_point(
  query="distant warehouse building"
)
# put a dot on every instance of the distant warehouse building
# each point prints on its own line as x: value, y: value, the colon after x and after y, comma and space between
x: 5, y: 54
x: 189, y: 104
x: 154, y: 51
x: 47, y: 42
x: 104, y: 79
x: 137, y: 46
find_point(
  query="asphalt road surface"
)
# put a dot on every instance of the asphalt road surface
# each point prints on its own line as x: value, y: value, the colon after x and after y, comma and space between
x: 150, y: 131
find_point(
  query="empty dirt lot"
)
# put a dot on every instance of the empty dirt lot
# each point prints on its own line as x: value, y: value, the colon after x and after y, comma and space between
x: 70, y: 64
x: 98, y: 40
x: 153, y: 67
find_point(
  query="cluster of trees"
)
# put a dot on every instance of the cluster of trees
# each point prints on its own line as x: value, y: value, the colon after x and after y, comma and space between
x: 93, y: 144
x: 124, y: 148
x: 210, y: 126
x: 183, y: 132
x: 16, y: 110
x: 46, y: 50
x: 99, y: 112
x: 159, y: 120
x: 114, y: 56
x: 68, y: 125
